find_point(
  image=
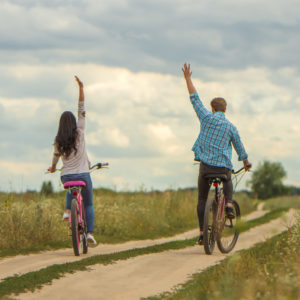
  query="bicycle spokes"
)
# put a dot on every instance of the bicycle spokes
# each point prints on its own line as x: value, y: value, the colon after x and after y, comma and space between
x: 228, y: 234
x: 209, y: 226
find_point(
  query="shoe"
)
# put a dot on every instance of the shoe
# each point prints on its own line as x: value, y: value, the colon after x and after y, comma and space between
x: 91, y: 240
x: 200, y: 240
x: 66, y: 216
x: 229, y: 212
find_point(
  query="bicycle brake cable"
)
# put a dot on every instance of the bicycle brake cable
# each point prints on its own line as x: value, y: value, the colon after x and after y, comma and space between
x: 238, y: 178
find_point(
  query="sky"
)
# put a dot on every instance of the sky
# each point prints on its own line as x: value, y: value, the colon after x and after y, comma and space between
x: 129, y: 55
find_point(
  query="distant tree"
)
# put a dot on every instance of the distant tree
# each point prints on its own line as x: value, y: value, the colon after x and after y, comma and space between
x: 47, y: 188
x: 292, y: 190
x: 266, y: 180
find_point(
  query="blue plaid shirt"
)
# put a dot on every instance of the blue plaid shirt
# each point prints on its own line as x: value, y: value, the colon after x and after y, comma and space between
x: 217, y: 134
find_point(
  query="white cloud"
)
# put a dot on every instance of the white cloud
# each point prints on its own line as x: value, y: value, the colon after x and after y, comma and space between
x: 144, y: 124
x: 161, y: 132
x: 117, y: 138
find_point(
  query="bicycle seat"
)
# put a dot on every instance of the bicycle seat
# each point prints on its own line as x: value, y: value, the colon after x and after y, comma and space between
x: 69, y: 184
x: 215, y: 176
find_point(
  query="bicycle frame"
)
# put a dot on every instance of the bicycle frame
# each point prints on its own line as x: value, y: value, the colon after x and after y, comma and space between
x: 218, y: 189
x: 220, y: 206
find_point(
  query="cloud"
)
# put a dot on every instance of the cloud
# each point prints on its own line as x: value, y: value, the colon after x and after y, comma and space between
x: 143, y: 122
x: 152, y: 36
x: 129, y: 54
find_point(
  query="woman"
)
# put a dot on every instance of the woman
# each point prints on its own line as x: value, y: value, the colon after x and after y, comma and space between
x: 69, y: 144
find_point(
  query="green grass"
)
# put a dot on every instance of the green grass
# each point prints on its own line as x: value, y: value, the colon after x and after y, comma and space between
x: 34, y: 280
x: 282, y: 202
x: 269, y: 270
x: 274, y: 214
x: 36, y: 221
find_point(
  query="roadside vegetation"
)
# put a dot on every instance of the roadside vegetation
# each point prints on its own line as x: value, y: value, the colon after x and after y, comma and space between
x: 282, y: 202
x: 32, y: 221
x: 33, y: 280
x: 269, y: 270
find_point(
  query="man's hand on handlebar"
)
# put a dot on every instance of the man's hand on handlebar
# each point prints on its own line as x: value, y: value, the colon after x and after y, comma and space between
x: 247, y: 165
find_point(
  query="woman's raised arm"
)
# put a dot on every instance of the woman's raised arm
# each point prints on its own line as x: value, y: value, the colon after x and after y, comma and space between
x: 80, y: 85
x: 81, y: 111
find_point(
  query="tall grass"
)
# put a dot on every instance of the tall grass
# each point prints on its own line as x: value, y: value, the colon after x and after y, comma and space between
x: 31, y: 222
x: 144, y: 215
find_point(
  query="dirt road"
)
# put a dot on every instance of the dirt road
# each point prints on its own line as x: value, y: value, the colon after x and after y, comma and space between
x: 26, y: 263
x: 147, y: 275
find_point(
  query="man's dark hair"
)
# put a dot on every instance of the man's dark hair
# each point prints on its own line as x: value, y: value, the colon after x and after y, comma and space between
x: 219, y: 104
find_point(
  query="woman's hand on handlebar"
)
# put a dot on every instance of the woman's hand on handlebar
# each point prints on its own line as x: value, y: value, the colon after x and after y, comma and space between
x: 52, y: 169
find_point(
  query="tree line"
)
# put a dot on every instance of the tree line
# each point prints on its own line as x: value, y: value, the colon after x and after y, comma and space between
x: 266, y: 182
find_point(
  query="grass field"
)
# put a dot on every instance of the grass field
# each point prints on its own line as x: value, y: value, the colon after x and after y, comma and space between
x: 33, y: 222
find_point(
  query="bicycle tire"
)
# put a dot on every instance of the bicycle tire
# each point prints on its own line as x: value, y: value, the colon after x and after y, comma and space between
x: 84, y: 234
x: 208, y: 226
x: 74, y: 227
x: 228, y: 236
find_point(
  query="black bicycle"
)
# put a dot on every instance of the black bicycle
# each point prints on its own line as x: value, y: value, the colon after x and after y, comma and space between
x: 217, y: 226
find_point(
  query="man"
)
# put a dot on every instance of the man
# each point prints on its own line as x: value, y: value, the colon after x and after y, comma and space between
x: 213, y: 148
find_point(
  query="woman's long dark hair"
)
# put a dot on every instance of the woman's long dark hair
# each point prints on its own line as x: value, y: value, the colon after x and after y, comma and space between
x: 66, y: 137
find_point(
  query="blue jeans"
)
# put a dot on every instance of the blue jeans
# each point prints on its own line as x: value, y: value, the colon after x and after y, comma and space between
x: 87, y: 195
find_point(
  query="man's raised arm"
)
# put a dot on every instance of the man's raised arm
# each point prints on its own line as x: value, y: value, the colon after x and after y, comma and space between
x: 187, y: 75
x: 200, y: 109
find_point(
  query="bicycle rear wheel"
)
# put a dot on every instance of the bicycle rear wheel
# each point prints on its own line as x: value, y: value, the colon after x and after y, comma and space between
x: 84, y: 233
x: 75, y: 227
x: 208, y: 226
x: 228, y: 233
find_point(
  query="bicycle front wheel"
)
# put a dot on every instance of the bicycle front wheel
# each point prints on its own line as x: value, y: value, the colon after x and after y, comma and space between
x: 228, y: 234
x: 208, y: 226
x: 75, y: 227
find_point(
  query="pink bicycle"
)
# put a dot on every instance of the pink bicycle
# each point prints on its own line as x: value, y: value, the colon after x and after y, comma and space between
x: 77, y: 221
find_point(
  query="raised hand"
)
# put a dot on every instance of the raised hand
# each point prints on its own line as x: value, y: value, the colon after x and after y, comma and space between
x: 81, y: 93
x: 80, y: 84
x: 187, y: 70
x: 187, y: 75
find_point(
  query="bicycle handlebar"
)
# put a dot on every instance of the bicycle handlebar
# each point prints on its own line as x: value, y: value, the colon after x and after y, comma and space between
x: 99, y: 166
x: 233, y: 172
x: 92, y: 168
x: 238, y: 171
